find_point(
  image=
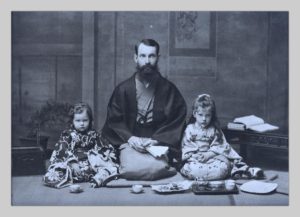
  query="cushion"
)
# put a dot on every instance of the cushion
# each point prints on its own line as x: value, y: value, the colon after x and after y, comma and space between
x: 135, y: 165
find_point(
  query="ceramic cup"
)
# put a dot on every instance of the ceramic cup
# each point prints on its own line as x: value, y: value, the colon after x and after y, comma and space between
x: 229, y: 184
x: 137, y: 188
x: 75, y: 188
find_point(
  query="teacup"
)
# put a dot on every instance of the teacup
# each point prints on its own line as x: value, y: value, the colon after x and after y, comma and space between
x: 137, y: 188
x: 75, y: 188
x: 229, y: 184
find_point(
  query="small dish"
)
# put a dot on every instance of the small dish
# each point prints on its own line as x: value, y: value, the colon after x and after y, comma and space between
x: 174, y: 187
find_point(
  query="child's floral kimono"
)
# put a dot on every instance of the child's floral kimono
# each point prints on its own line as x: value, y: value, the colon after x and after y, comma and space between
x: 90, y: 151
x: 227, y: 162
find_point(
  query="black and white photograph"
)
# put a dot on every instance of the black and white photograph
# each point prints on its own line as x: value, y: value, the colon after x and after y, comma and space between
x: 150, y: 108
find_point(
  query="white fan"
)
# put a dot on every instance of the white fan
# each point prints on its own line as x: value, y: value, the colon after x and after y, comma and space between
x: 258, y: 187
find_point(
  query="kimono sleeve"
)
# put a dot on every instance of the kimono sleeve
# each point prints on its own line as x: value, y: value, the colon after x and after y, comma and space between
x: 106, y: 149
x: 223, y: 148
x: 170, y: 131
x: 116, y: 117
x: 188, y: 146
x: 61, y: 152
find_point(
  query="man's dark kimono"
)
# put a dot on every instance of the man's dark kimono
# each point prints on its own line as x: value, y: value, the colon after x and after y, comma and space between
x: 169, y: 113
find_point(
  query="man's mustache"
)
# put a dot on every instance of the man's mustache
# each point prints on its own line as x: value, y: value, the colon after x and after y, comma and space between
x: 146, y: 69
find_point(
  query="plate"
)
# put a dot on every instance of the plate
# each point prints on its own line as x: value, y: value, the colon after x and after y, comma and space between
x: 173, y: 187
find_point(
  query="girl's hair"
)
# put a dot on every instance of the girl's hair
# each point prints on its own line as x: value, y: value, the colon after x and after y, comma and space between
x: 205, y: 101
x: 79, y: 108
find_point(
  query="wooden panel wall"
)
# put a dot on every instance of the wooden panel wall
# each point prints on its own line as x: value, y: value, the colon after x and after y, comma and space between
x: 46, y: 63
x: 241, y: 75
x: 74, y: 56
x: 278, y: 76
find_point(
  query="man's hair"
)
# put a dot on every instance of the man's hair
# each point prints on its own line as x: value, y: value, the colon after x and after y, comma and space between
x: 149, y: 42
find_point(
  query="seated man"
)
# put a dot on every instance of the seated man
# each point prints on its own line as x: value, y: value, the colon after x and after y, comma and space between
x: 146, y: 109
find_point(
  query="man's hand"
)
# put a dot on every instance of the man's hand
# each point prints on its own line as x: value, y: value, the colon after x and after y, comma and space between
x: 140, y: 144
x: 137, y: 143
x: 149, y: 142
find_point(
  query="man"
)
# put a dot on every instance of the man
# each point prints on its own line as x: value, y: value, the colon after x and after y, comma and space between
x: 146, y: 109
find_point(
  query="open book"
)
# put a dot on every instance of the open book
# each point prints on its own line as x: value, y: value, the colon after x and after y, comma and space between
x: 255, y: 123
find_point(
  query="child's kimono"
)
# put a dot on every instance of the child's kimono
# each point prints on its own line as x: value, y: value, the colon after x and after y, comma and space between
x: 90, y: 151
x: 226, y: 162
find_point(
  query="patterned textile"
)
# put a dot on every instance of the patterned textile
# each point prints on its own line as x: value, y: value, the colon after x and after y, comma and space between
x: 80, y: 157
x: 213, y: 169
x: 145, y: 99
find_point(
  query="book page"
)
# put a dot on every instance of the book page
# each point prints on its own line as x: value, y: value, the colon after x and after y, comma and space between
x: 263, y: 128
x: 157, y: 151
x: 249, y: 120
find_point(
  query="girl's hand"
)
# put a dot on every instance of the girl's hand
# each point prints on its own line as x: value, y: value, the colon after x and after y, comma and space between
x: 198, y: 157
x: 76, y: 169
x: 205, y: 156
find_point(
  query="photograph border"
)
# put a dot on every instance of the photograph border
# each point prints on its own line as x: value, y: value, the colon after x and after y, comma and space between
x: 63, y: 5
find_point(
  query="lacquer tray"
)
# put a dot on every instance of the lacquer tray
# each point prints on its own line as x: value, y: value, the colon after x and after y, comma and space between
x: 197, y: 189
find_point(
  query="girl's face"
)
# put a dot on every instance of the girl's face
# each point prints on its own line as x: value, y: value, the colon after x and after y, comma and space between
x: 81, y: 121
x: 203, y: 116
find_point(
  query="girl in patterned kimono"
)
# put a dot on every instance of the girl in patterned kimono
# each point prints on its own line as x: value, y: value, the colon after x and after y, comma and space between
x: 81, y: 154
x: 205, y: 153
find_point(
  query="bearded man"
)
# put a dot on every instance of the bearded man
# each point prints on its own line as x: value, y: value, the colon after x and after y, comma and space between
x: 146, y: 109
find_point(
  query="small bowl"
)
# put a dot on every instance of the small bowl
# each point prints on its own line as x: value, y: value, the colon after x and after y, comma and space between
x: 75, y: 188
x: 137, y: 189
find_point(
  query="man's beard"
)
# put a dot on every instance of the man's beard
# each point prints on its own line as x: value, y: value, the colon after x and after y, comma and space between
x: 147, y: 72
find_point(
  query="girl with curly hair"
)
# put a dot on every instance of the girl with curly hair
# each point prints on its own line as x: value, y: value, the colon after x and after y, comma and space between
x: 81, y: 154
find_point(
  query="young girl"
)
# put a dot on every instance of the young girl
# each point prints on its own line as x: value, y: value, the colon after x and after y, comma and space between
x: 205, y: 153
x: 81, y: 154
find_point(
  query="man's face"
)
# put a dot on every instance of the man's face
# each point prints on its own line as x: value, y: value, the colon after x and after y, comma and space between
x: 146, y: 59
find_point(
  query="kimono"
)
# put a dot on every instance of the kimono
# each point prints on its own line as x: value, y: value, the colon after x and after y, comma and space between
x: 89, y: 151
x: 227, y: 161
x: 168, y: 115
